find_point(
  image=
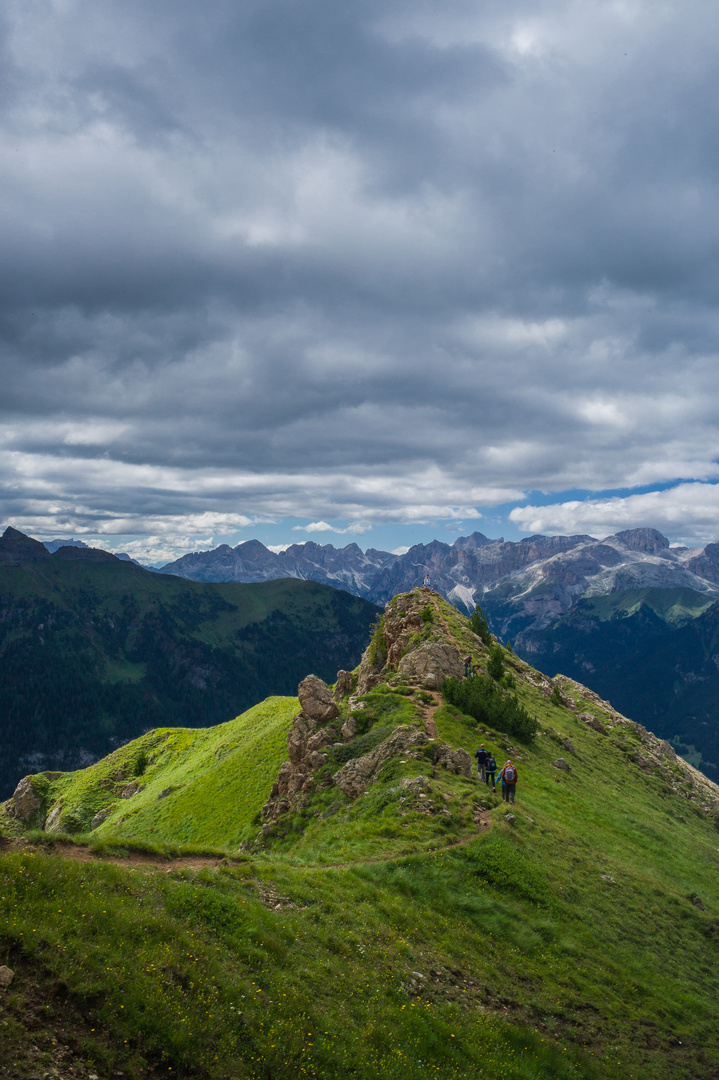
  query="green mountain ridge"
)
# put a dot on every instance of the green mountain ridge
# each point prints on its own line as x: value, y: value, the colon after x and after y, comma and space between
x: 93, y: 653
x: 367, y: 908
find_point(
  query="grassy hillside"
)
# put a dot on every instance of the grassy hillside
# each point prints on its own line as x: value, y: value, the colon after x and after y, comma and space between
x: 93, y: 654
x: 653, y: 652
x: 411, y: 930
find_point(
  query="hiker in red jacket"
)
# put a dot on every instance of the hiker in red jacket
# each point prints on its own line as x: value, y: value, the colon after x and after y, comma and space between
x: 508, y: 776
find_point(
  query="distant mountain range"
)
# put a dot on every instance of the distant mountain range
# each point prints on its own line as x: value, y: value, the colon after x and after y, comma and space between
x: 523, y: 586
x: 629, y: 615
x: 94, y: 650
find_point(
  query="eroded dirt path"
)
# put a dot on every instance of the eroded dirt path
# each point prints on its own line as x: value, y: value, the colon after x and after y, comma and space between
x: 137, y: 860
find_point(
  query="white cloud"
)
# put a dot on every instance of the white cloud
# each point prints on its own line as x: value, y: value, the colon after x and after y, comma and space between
x: 314, y: 527
x: 687, y: 513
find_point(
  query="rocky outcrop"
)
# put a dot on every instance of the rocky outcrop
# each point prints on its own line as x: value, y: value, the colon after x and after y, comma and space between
x: 430, y: 664
x: 29, y: 803
x: 307, y: 741
x: 344, y: 685
x: 454, y: 761
x: 357, y: 773
x: 316, y: 700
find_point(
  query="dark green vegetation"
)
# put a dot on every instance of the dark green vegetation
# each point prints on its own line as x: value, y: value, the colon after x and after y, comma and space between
x: 652, y: 652
x: 94, y: 653
x: 481, y: 698
x: 411, y: 931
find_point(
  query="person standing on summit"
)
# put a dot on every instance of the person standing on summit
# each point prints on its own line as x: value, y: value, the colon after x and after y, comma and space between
x: 425, y: 584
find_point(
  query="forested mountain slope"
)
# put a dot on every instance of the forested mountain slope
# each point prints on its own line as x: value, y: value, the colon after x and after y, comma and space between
x: 95, y: 650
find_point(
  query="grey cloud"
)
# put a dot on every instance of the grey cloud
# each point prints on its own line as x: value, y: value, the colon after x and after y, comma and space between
x: 368, y: 243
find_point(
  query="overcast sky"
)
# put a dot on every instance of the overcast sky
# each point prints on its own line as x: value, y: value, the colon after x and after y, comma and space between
x: 375, y: 271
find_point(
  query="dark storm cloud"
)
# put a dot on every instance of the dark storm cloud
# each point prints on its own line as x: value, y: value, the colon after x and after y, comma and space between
x: 353, y: 260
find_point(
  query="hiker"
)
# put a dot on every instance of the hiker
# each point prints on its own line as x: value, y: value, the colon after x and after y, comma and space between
x: 490, y: 771
x: 482, y: 755
x: 425, y: 585
x: 508, y: 776
x: 467, y: 666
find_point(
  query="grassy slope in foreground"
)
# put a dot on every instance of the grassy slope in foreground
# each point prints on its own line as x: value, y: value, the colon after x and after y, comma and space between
x: 365, y: 940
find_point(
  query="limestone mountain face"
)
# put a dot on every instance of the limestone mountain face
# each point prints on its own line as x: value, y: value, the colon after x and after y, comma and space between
x: 523, y: 585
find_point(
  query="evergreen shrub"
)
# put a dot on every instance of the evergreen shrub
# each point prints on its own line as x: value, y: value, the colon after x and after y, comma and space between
x: 481, y: 698
x: 480, y: 626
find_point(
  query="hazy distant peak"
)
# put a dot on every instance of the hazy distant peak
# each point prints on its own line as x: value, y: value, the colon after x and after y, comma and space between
x: 53, y: 545
x: 649, y: 541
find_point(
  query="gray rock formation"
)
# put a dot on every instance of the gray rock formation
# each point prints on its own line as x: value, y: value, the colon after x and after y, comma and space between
x: 29, y: 804
x: 344, y: 685
x: 6, y: 975
x: 357, y: 773
x: 430, y: 664
x: 316, y: 700
x: 454, y: 761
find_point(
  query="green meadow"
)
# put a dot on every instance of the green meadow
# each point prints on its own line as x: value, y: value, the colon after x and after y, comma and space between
x: 414, y: 931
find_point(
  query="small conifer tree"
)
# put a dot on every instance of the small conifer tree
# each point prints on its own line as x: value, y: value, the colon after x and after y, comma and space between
x: 480, y: 626
x: 495, y: 667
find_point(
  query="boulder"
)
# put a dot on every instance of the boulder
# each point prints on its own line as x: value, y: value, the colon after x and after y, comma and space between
x: 431, y: 663
x: 316, y: 700
x: 568, y: 746
x: 560, y: 763
x: 29, y: 805
x: 510, y: 818
x: 593, y: 722
x: 6, y: 975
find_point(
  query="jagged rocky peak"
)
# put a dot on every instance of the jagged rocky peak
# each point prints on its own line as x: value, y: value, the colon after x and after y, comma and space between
x: 475, y: 540
x: 399, y: 651
x: 648, y: 541
x: 16, y: 548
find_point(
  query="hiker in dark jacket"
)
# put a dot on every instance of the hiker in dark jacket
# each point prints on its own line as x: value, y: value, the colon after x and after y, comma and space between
x: 508, y: 776
x: 490, y: 769
x: 481, y: 757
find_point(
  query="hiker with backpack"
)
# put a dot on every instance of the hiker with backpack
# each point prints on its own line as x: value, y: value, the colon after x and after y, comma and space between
x: 481, y: 756
x: 508, y: 776
x: 490, y: 772
x: 468, y: 670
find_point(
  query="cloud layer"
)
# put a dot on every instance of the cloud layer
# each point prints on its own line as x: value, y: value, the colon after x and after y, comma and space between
x: 357, y: 263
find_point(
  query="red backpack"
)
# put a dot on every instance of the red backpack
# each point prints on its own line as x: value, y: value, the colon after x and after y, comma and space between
x: 510, y: 774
